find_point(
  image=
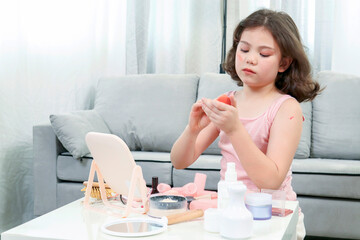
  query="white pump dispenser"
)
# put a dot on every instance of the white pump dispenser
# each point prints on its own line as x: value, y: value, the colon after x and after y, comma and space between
x: 230, y: 179
x: 236, y: 220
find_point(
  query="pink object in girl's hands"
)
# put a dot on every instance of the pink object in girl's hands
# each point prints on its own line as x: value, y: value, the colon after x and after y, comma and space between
x: 224, y: 99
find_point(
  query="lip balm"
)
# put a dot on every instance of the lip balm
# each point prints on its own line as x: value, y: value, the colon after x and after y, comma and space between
x: 259, y: 204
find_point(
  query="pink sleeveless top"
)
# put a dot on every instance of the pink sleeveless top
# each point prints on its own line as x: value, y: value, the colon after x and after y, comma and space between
x: 259, y: 130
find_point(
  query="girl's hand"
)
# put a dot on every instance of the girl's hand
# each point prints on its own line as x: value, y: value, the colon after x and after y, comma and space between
x: 224, y: 117
x: 198, y: 119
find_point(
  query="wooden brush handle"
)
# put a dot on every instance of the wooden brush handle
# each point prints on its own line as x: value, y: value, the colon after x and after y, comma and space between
x: 186, y: 216
x: 96, y: 184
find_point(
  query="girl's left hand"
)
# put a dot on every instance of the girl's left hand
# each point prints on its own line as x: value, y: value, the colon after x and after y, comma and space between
x: 223, y: 116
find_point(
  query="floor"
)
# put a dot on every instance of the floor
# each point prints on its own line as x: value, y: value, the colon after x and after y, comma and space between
x: 323, y: 238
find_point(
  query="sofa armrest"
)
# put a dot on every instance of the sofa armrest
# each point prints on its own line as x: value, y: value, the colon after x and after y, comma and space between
x: 46, y: 149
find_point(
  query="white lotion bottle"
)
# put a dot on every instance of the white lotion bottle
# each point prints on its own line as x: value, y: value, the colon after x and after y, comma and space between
x: 236, y: 220
x: 230, y: 179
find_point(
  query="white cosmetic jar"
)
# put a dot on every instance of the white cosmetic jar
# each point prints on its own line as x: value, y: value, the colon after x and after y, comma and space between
x: 211, y: 219
x: 259, y: 204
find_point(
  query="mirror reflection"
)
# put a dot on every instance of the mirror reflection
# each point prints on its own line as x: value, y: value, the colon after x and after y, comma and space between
x: 134, y: 227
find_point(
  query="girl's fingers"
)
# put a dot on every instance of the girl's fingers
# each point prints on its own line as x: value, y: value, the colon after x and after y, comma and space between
x: 232, y: 99
x: 197, y: 107
x: 213, y: 114
x: 214, y: 106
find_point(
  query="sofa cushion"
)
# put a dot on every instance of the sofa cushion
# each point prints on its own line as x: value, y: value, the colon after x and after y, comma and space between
x: 303, y: 150
x: 149, y: 112
x: 207, y: 164
x: 326, y: 166
x: 212, y: 85
x: 336, y: 115
x: 71, y: 129
x: 326, y: 177
x: 68, y: 169
x: 184, y: 176
x: 152, y: 164
x: 326, y: 185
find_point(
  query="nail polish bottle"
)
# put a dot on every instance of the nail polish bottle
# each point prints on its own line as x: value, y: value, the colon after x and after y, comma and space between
x: 154, y: 184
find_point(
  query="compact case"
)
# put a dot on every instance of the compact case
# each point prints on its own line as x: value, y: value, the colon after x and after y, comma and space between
x: 165, y: 205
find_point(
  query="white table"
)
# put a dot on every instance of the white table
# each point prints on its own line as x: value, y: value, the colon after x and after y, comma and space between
x: 73, y: 221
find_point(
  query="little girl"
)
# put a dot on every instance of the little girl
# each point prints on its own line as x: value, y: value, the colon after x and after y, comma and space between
x: 261, y: 129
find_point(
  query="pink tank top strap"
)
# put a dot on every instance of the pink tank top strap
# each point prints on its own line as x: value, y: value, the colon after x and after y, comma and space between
x: 273, y: 109
x: 229, y: 93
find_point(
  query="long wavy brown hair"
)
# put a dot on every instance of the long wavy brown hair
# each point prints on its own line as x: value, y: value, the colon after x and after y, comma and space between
x: 296, y: 80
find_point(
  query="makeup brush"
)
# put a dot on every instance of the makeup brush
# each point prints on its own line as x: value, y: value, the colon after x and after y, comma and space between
x: 95, y: 190
x: 185, y: 216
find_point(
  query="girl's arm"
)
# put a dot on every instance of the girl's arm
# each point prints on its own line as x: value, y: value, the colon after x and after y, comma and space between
x: 265, y: 170
x: 197, y: 136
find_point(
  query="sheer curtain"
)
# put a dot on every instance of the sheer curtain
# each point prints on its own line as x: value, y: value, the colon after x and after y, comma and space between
x: 51, y: 55
x: 171, y: 36
x: 53, y: 52
x: 346, y: 38
x: 328, y: 29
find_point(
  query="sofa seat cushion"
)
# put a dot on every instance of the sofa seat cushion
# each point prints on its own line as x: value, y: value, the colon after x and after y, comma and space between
x: 326, y: 185
x: 152, y: 164
x: 326, y: 166
x: 206, y: 164
x: 149, y: 112
x: 71, y: 169
x: 184, y: 176
x: 327, y: 178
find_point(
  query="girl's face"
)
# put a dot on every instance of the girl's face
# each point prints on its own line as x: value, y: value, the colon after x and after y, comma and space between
x: 258, y: 58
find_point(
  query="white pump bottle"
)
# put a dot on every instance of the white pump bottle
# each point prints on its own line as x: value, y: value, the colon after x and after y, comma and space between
x: 230, y: 179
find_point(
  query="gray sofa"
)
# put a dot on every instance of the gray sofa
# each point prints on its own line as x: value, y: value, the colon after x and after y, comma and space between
x: 150, y: 111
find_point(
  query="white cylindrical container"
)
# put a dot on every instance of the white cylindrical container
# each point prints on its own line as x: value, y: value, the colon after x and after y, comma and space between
x: 236, y: 220
x: 211, y: 219
x: 260, y: 205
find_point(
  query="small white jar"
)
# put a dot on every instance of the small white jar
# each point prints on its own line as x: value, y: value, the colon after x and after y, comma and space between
x: 259, y: 204
x: 211, y: 219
